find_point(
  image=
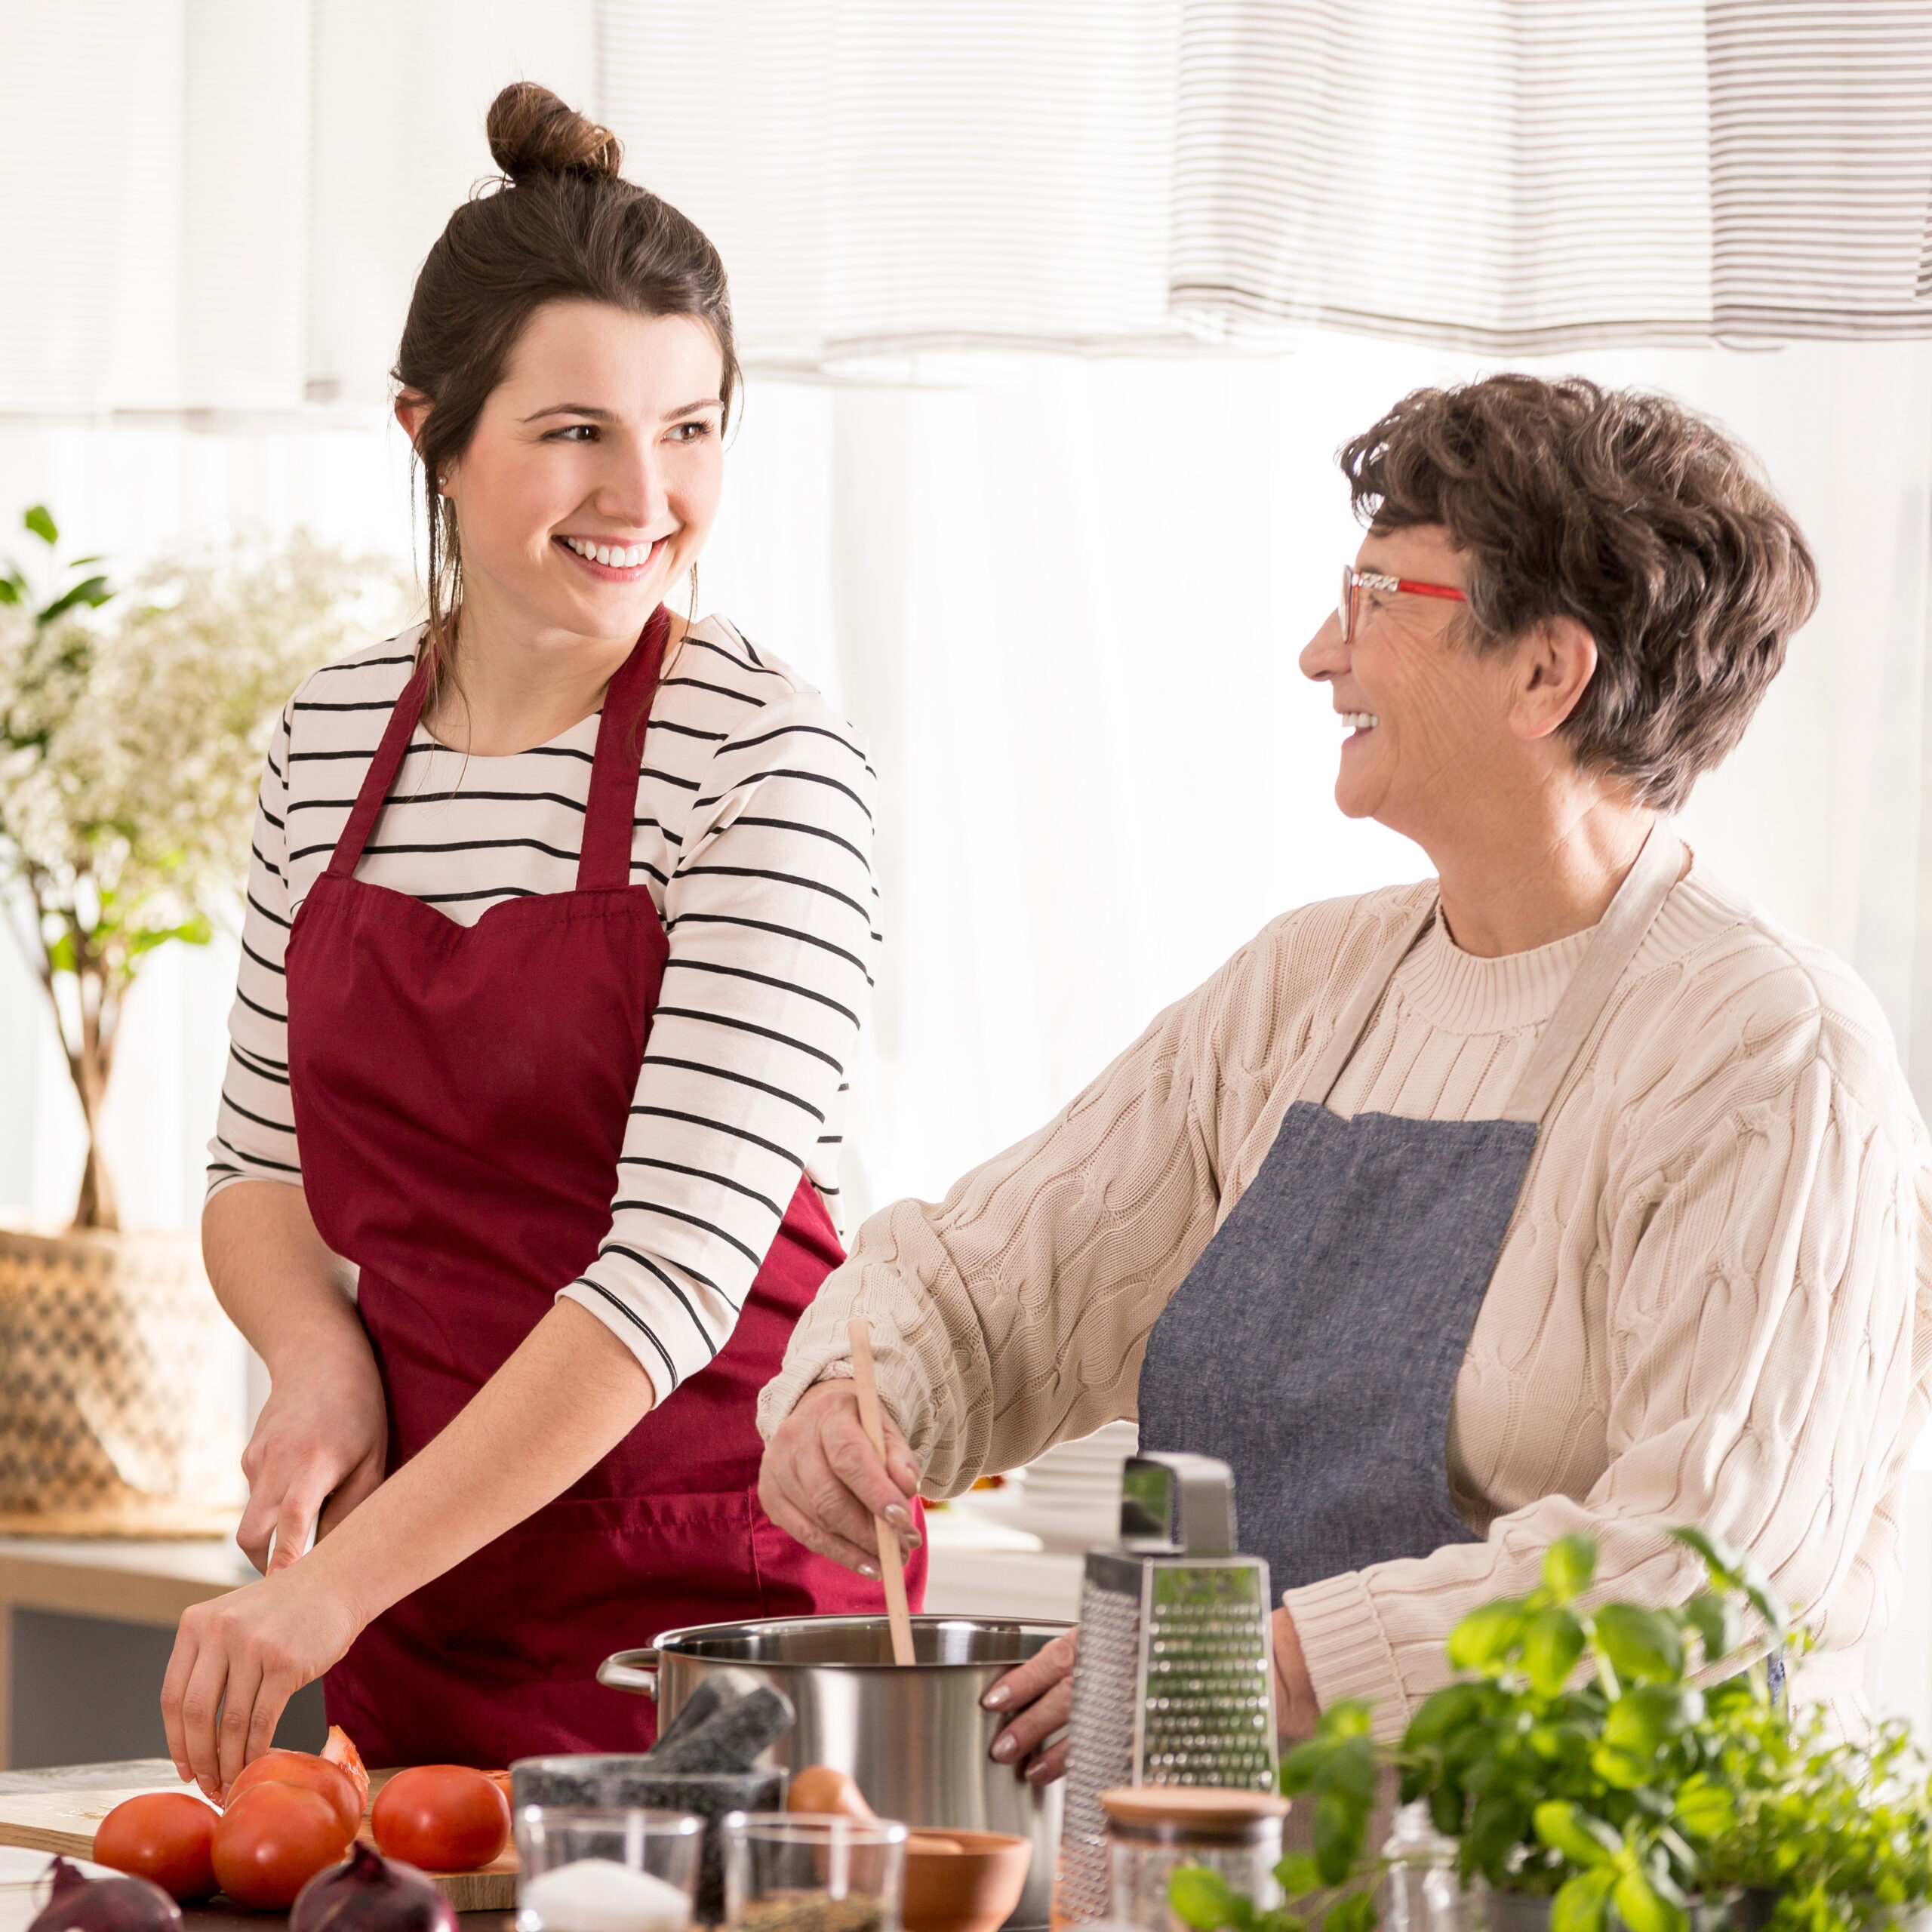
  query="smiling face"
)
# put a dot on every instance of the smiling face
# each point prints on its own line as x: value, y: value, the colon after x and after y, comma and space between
x: 592, y: 479
x: 1429, y: 717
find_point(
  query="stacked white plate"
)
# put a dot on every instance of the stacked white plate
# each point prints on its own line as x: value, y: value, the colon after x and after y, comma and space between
x: 1070, y: 1497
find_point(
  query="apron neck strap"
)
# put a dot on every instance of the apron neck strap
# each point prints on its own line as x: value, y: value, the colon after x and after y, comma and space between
x: 604, y: 860
x: 381, y: 774
x: 1619, y: 933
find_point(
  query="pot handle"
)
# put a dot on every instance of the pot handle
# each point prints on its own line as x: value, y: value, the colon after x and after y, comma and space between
x: 631, y: 1670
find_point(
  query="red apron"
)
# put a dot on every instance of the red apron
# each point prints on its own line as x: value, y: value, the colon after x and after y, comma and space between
x: 460, y: 1096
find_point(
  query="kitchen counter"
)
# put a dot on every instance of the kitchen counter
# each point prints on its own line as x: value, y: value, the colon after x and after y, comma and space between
x: 20, y: 1871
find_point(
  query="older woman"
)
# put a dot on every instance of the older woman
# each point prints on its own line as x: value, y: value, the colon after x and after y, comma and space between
x: 1561, y: 1191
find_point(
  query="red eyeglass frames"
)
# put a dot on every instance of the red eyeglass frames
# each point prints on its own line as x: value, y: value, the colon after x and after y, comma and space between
x: 1353, y: 580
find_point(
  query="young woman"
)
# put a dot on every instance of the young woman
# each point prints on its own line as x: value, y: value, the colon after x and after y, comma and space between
x: 559, y: 931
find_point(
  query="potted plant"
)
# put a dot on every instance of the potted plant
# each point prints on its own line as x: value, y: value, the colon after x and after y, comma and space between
x: 133, y: 727
x: 1579, y: 1769
x: 1579, y: 1762
x: 1822, y: 1837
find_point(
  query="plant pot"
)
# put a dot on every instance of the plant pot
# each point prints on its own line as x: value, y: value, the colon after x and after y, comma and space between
x: 1529, y: 1912
x: 120, y: 1381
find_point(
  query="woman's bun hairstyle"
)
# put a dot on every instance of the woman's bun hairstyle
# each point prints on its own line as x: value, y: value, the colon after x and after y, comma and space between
x: 532, y: 133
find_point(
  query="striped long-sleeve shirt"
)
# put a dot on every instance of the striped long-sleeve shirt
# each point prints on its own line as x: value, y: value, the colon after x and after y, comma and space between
x: 754, y: 834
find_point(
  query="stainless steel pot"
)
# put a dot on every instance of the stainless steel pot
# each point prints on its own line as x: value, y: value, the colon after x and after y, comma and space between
x: 913, y: 1736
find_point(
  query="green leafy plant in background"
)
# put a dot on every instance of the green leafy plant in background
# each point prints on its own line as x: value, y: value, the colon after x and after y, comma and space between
x: 133, y: 726
x: 1828, y: 1837
x: 1575, y: 1759
x: 1578, y: 1758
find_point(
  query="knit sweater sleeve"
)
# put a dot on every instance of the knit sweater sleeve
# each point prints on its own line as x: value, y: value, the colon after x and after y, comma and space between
x: 1764, y: 1264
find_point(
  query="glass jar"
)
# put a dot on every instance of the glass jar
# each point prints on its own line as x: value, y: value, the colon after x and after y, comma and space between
x: 1422, y: 1892
x: 1152, y: 1828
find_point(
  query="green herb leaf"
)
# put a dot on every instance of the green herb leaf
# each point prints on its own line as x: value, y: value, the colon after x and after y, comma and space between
x: 1586, y: 1842
x: 1442, y: 1712
x: 1551, y: 1647
x: 1644, y: 1909
x: 1355, y: 1913
x: 1488, y: 1634
x: 1568, y: 1564
x: 1204, y: 1899
x: 1715, y: 1619
x: 1298, y: 1875
x: 1340, y: 1828
x: 1581, y: 1904
x: 1622, y: 1770
x: 1705, y: 1808
x: 38, y: 521
x: 1644, y: 1645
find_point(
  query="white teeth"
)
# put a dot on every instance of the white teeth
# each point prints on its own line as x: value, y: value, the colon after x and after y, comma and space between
x: 1360, y: 720
x: 612, y: 556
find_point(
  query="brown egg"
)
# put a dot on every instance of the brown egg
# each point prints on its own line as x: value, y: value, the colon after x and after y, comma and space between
x: 820, y: 1788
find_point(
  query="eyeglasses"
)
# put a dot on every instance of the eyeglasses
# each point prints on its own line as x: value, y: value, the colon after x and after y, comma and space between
x: 1353, y: 580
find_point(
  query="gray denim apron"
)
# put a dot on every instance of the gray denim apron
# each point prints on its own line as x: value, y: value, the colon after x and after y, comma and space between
x: 1314, y: 1346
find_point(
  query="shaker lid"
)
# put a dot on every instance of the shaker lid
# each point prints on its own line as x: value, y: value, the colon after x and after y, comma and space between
x: 1191, y: 1811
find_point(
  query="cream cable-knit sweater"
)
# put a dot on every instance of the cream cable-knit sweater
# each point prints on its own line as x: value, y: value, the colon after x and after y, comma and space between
x: 1713, y: 1306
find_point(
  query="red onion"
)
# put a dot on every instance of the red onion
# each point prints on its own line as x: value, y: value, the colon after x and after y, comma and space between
x: 369, y: 1893
x: 79, y: 1903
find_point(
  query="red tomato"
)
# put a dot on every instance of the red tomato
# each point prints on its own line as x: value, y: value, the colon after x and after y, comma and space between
x: 272, y: 1840
x: 165, y: 1836
x: 304, y: 1768
x: 441, y: 1817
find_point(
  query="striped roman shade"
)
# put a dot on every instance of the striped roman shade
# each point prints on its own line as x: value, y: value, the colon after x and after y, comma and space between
x: 1524, y: 175
x: 879, y: 176
x: 246, y: 187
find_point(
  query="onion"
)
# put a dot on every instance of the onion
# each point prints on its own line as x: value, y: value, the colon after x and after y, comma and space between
x: 79, y: 1903
x: 368, y: 1894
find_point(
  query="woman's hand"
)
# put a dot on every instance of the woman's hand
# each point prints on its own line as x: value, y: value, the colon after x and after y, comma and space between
x: 318, y: 1450
x: 821, y: 1483
x: 1297, y: 1712
x: 238, y: 1660
x: 1039, y: 1694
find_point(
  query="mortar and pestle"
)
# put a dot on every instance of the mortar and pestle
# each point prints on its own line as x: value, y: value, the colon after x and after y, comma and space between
x: 703, y: 1762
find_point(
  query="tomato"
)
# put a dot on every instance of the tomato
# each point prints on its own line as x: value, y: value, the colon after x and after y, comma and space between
x: 165, y: 1836
x: 441, y: 1817
x: 272, y: 1840
x: 304, y: 1768
x: 340, y: 1751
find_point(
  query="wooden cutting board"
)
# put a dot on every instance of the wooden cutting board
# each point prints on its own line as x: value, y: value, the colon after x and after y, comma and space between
x: 64, y: 1821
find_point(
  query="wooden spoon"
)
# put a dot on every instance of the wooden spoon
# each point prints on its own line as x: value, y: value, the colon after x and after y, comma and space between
x: 890, y: 1561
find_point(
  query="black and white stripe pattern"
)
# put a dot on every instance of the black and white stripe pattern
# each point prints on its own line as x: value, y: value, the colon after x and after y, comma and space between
x: 1526, y: 177
x: 754, y: 826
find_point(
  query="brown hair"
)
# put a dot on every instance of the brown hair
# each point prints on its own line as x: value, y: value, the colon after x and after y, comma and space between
x: 1626, y: 512
x: 561, y: 226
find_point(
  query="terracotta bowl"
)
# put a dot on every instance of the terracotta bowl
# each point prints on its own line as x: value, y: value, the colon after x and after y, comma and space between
x: 972, y: 1889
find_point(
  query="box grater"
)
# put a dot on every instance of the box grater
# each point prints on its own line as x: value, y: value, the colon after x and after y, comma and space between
x: 1174, y: 1683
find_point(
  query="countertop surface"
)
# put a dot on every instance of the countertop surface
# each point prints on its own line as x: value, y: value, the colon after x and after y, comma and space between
x: 22, y: 1893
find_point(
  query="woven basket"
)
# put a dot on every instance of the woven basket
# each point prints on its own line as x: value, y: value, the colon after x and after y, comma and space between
x: 120, y: 1389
